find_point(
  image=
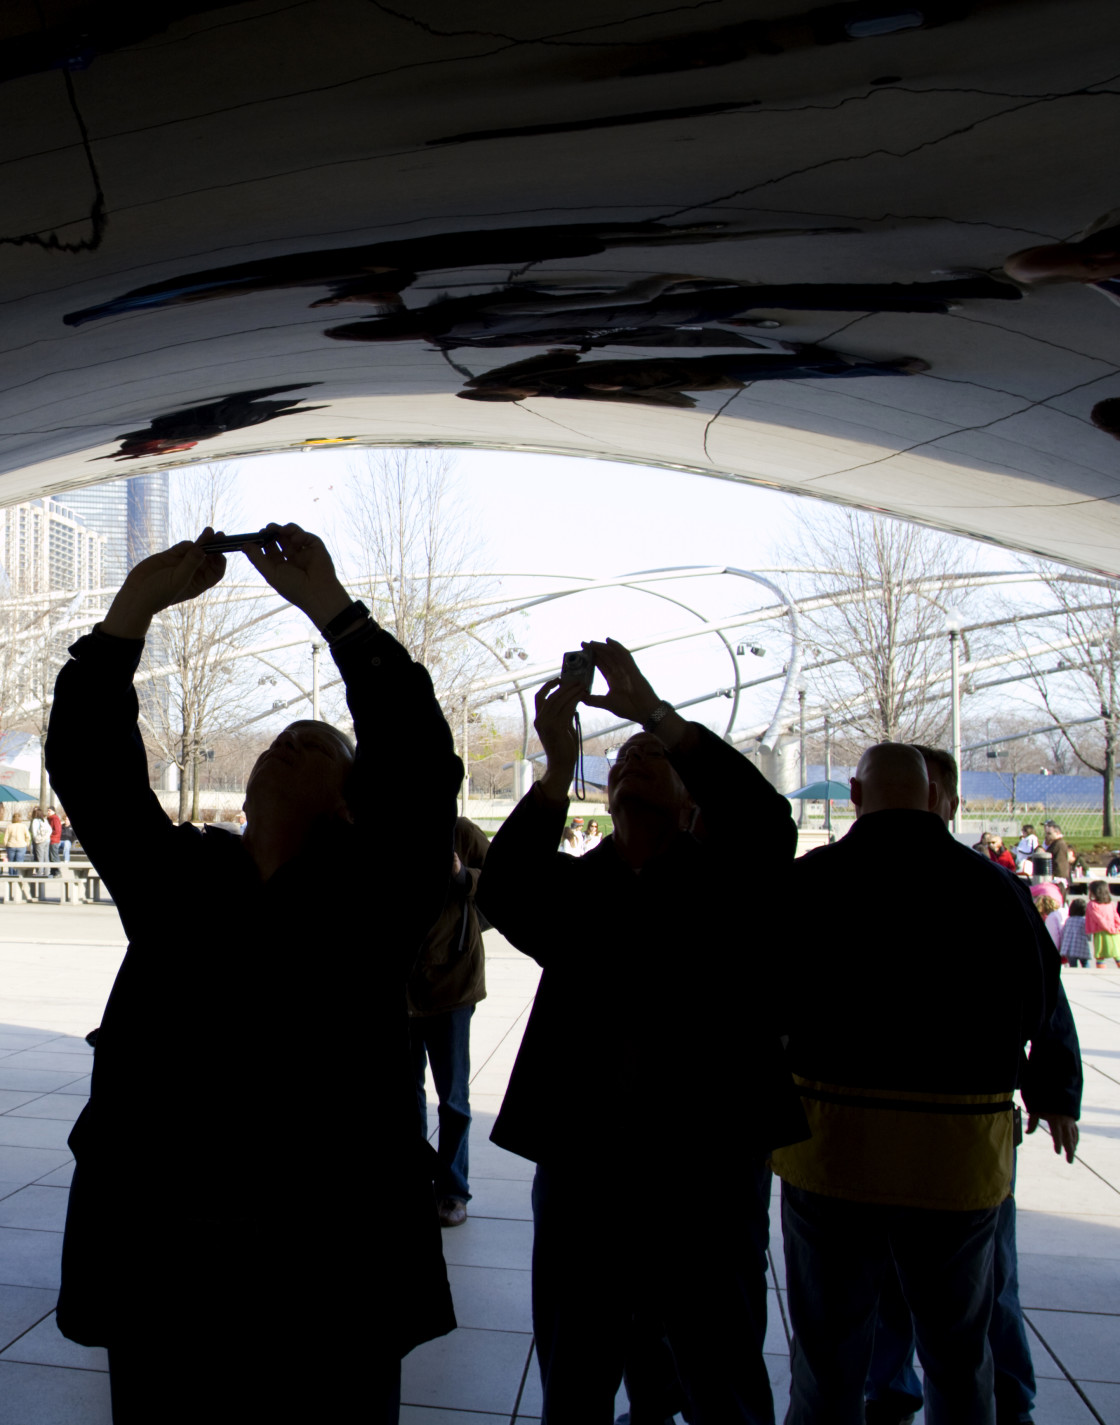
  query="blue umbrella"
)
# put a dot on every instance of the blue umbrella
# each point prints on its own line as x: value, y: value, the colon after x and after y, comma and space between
x: 13, y: 794
x: 822, y: 792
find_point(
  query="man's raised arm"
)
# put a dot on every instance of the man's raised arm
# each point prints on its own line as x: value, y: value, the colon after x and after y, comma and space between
x: 94, y: 744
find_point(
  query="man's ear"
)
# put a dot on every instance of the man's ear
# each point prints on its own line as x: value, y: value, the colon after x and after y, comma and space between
x: 954, y: 803
x: 856, y: 788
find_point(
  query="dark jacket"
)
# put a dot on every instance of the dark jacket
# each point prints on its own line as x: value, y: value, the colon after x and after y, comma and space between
x: 1063, y: 856
x: 905, y: 1047
x: 251, y: 1129
x: 450, y: 972
x: 652, y: 994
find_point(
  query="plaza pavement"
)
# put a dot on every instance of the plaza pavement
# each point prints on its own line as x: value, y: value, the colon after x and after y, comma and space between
x: 56, y: 966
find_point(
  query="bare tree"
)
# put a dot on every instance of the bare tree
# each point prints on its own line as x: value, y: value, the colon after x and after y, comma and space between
x: 191, y: 685
x: 419, y: 554
x: 1088, y: 682
x: 880, y: 590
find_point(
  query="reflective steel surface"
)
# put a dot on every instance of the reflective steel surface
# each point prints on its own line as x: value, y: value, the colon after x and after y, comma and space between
x: 755, y: 241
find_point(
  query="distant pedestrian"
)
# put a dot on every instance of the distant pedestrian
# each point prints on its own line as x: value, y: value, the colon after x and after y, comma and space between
x: 1076, y: 946
x: 448, y: 980
x: 17, y: 843
x: 242, y: 822
x: 999, y: 853
x: 1103, y: 924
x: 40, y: 838
x: 592, y: 837
x: 1028, y: 845
x: 66, y: 839
x: 56, y: 836
x: 1059, y: 849
x: 569, y: 842
x: 1054, y: 915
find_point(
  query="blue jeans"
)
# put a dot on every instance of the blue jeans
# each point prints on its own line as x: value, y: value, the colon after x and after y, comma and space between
x: 616, y: 1264
x: 16, y: 854
x: 443, y: 1041
x: 892, y: 1364
x: 837, y: 1256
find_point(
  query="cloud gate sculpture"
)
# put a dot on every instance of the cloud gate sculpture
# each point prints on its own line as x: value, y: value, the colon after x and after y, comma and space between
x: 862, y: 251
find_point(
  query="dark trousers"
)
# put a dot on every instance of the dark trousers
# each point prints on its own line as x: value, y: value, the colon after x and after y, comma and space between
x: 837, y: 1256
x: 892, y: 1363
x: 188, y: 1381
x: 443, y: 1042
x: 610, y: 1257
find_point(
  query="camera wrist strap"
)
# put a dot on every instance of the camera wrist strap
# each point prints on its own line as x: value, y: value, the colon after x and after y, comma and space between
x: 579, y: 785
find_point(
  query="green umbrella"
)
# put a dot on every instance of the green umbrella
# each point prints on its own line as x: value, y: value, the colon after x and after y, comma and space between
x: 13, y: 794
x: 822, y: 792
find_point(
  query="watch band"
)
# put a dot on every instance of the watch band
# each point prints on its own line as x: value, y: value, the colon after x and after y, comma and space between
x: 652, y: 720
x: 341, y: 621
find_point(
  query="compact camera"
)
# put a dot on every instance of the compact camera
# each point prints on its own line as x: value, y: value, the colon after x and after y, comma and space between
x: 578, y: 667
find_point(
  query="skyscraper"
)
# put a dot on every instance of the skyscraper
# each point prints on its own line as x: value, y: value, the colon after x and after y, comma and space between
x: 46, y: 546
x: 132, y: 514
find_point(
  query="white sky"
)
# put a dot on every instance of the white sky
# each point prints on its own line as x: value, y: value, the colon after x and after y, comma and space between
x: 555, y: 515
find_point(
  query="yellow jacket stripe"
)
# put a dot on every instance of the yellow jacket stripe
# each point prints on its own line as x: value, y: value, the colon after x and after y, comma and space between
x: 902, y: 1148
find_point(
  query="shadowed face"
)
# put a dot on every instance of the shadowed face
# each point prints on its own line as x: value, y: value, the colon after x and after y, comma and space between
x: 642, y: 773
x: 303, y: 774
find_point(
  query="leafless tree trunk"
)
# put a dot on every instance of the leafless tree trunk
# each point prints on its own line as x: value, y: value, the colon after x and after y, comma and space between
x: 1090, y: 680
x: 887, y: 587
x: 190, y: 688
x: 415, y: 530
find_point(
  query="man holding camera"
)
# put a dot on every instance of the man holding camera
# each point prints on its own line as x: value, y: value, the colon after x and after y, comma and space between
x: 650, y: 1084
x: 219, y: 1239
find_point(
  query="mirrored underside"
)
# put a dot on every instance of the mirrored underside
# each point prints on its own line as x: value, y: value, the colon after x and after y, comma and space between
x: 758, y: 242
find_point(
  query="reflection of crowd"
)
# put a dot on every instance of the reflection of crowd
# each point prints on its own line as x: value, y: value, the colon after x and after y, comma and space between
x: 662, y: 1009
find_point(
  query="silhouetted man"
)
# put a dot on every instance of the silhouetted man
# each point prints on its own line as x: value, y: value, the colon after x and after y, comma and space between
x: 251, y: 1229
x: 647, y: 1202
x: 448, y: 980
x: 912, y: 1147
x: 1051, y: 1087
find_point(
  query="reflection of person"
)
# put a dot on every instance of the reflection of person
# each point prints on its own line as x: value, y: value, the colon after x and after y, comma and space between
x: 648, y: 312
x: 377, y: 272
x: 1092, y: 259
x: 169, y: 1232
x: 656, y: 1027
x: 663, y: 381
x: 911, y: 1149
x: 180, y: 430
x: 448, y: 980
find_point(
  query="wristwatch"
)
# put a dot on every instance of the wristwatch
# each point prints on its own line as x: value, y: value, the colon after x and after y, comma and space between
x: 342, y: 621
x: 652, y: 720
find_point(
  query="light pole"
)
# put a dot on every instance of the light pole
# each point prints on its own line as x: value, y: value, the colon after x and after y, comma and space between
x: 316, y: 649
x: 953, y: 624
x: 802, y: 769
x: 827, y: 775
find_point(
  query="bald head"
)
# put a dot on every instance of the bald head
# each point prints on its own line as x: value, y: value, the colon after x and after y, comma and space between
x: 891, y: 776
